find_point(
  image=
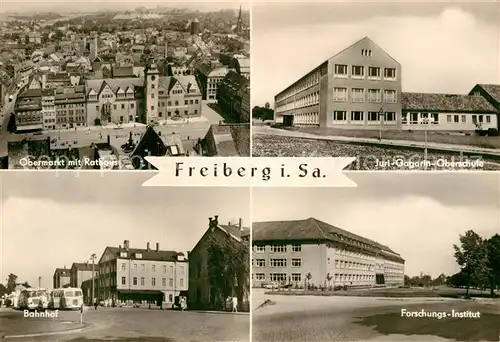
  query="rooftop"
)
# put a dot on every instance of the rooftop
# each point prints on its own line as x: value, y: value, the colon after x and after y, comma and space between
x: 446, y: 102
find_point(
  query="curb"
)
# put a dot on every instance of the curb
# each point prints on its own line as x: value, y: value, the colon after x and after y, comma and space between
x: 220, y: 312
x: 67, y: 331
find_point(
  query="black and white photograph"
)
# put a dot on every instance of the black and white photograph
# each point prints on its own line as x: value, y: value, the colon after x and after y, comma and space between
x: 86, y: 259
x: 399, y: 85
x: 398, y: 258
x: 102, y: 85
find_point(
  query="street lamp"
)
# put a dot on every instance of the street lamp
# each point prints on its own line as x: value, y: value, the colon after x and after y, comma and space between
x: 92, y: 257
x: 380, y: 118
x: 426, y: 121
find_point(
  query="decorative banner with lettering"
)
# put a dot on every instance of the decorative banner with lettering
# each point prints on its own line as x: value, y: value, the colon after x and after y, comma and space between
x: 254, y: 172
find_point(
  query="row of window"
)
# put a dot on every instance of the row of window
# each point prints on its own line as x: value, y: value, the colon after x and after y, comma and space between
x: 337, y: 277
x: 353, y: 265
x: 153, y: 281
x: 341, y: 94
x: 71, y: 105
x: 359, y: 72
x: 70, y: 119
x: 132, y: 106
x: 340, y: 115
x: 278, y: 248
x: 433, y: 118
x: 281, y: 262
x: 110, y: 96
x: 303, y: 84
x: 70, y: 112
x: 306, y: 118
x: 186, y: 113
x: 153, y: 268
x: 176, y: 103
x: 309, y: 100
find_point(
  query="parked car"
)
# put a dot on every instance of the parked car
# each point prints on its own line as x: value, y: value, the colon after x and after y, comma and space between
x: 272, y: 285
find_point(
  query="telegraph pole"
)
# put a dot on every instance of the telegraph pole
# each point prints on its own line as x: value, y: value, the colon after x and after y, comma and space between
x: 39, y: 282
x: 93, y: 256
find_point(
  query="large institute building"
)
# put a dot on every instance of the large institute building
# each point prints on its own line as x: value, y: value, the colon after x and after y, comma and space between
x: 287, y: 251
x: 360, y: 88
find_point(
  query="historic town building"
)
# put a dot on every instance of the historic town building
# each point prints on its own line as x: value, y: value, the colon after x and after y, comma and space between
x: 81, y: 272
x: 142, y: 274
x: 61, y: 278
x: 312, y: 252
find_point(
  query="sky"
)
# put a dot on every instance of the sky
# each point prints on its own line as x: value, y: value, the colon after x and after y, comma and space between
x: 443, y: 47
x: 49, y: 222
x: 418, y: 215
x: 20, y: 6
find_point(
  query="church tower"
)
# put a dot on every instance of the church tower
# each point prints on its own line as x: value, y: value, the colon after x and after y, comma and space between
x: 239, y: 23
x: 151, y: 82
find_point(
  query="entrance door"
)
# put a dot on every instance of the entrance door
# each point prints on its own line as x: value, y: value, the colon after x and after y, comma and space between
x: 288, y: 120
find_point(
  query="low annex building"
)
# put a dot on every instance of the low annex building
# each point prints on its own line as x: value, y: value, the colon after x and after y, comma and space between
x: 447, y: 112
x: 286, y: 252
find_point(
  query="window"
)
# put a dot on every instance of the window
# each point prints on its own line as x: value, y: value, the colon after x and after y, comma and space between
x: 339, y: 115
x: 260, y: 263
x: 389, y: 73
x: 390, y: 116
x: 170, y: 298
x: 170, y: 282
x: 481, y: 119
x: 296, y: 248
x: 153, y: 281
x: 123, y: 106
x: 97, y: 108
x: 182, y: 268
x: 124, y: 267
x: 132, y: 105
x: 296, y: 277
x: 373, y: 116
x: 124, y: 281
x: 171, y: 269
x: 280, y: 277
x: 181, y: 282
x: 413, y: 118
x: 390, y: 96
x: 277, y: 262
x: 134, y: 281
x: 373, y: 72
x: 260, y: 276
x: 114, y: 106
x: 152, y: 107
x: 186, y: 102
x: 374, y: 95
x: 152, y: 86
x: 296, y: 262
x: 464, y: 119
x: 163, y: 282
x: 260, y: 249
x: 153, y: 268
x: 448, y: 118
x: 456, y: 119
x: 164, y: 269
x: 340, y: 70
x: 474, y: 118
x: 340, y: 94
x: 143, y: 267
x: 278, y: 249
x: 358, y: 71
x: 488, y: 119
x: 356, y: 116
x: 358, y: 95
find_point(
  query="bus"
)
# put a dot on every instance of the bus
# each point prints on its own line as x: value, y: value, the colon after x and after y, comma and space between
x: 66, y: 299
x: 33, y: 299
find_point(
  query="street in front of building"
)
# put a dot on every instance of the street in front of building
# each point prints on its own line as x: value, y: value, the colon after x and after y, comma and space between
x: 125, y: 324
x: 338, y: 318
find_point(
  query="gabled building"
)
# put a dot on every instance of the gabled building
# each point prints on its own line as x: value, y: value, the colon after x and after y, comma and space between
x: 62, y: 278
x: 200, y: 288
x: 286, y: 252
x: 354, y: 89
x: 491, y: 92
x: 28, y: 111
x: 209, y: 76
x: 142, y: 275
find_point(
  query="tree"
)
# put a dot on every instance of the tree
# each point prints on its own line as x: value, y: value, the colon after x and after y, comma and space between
x: 308, y: 279
x: 472, y: 255
x: 328, y: 278
x: 11, y: 282
x: 493, y: 252
x: 228, y: 269
x: 262, y: 113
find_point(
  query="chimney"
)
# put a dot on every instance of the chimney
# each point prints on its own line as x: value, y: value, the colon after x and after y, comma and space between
x: 157, y: 246
x: 210, y: 222
x: 119, y: 246
x: 147, y: 246
x: 216, y: 220
x: 125, y: 243
x: 239, y: 225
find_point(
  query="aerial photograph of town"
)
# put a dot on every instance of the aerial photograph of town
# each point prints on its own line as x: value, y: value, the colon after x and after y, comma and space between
x: 103, y: 86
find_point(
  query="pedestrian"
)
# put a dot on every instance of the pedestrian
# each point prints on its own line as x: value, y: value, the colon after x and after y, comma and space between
x: 183, y: 304
x: 235, y: 304
x: 95, y: 303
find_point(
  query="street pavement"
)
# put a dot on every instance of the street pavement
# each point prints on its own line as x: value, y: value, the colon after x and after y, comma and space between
x: 125, y: 324
x: 336, y: 318
x: 189, y: 132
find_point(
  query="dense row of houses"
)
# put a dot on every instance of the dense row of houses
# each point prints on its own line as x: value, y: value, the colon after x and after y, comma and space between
x: 310, y: 252
x: 360, y: 88
x: 148, y: 275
